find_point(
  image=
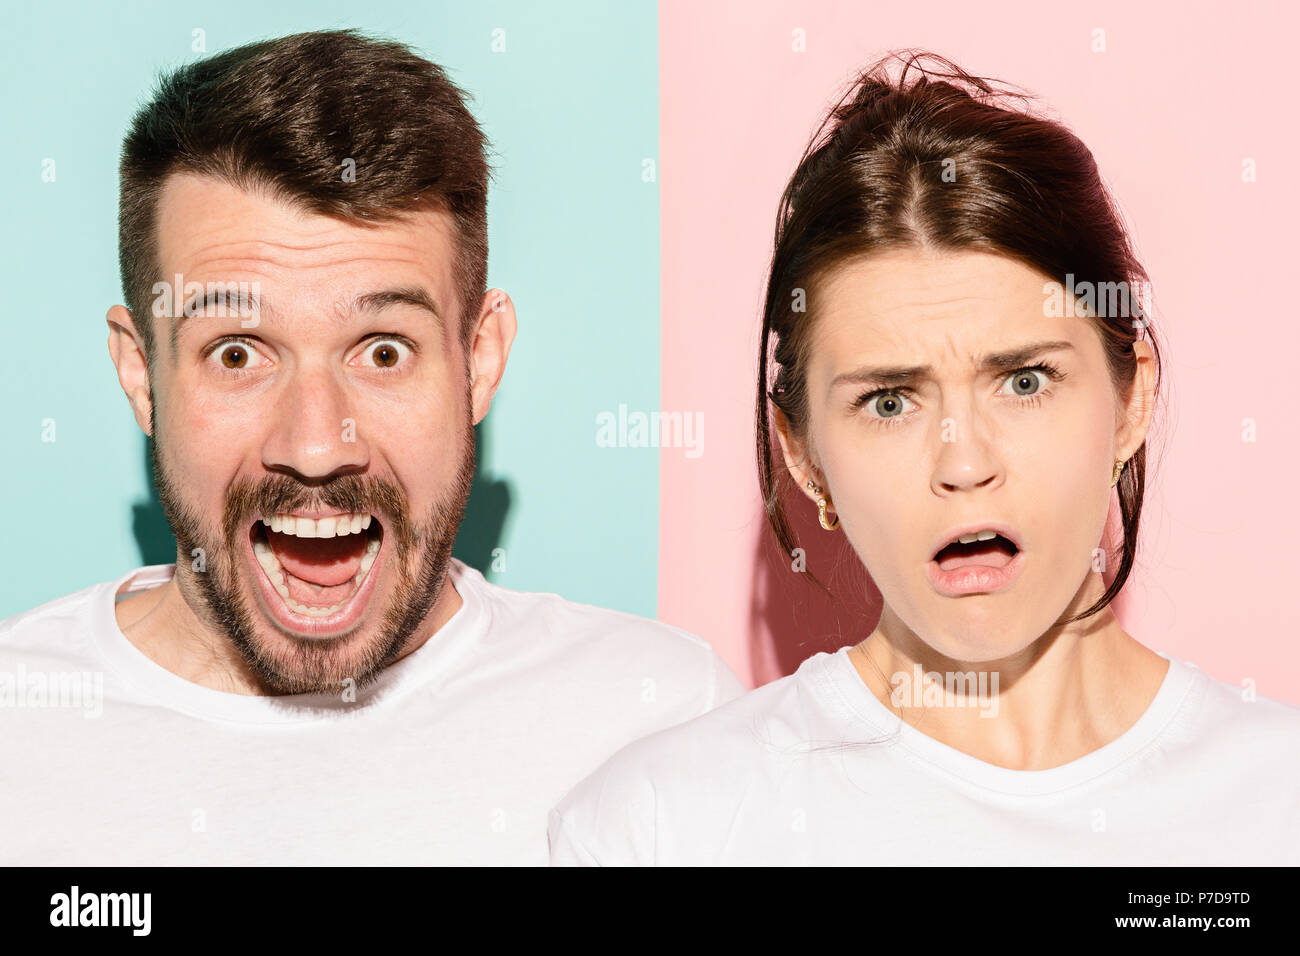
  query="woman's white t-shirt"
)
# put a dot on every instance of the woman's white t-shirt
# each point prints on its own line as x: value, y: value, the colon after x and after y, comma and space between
x: 782, y: 776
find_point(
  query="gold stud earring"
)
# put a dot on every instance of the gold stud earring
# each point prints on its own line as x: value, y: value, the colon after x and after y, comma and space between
x: 1116, y: 471
x: 829, y: 525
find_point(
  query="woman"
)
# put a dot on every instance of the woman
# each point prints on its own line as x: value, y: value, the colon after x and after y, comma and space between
x: 964, y: 372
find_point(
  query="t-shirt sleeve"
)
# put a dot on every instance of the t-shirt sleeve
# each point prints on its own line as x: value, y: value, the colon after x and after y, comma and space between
x: 726, y: 685
x: 566, y: 848
x: 606, y: 820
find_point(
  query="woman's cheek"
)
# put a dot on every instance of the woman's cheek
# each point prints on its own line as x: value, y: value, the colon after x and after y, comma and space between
x: 866, y: 490
x: 875, y: 522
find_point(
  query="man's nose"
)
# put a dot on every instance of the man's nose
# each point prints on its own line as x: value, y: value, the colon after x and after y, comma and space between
x: 315, y: 433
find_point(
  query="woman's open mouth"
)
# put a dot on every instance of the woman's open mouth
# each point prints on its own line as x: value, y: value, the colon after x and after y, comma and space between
x: 986, y: 561
x: 315, y: 575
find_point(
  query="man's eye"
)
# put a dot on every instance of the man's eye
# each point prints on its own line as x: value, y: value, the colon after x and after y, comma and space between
x: 235, y: 355
x: 385, y: 353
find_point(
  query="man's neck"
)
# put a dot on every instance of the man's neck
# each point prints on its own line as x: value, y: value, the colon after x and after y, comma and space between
x: 163, y: 626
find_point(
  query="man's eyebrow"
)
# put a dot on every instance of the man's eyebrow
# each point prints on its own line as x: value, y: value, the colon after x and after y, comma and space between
x: 365, y: 302
x: 411, y: 295
x: 895, y: 375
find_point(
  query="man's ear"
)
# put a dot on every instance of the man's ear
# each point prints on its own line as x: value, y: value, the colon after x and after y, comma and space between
x: 489, y: 348
x: 127, y: 350
x: 1135, y: 416
x: 795, y: 452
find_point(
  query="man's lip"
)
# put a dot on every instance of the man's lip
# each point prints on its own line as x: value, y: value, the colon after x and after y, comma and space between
x: 298, y: 625
x: 953, y: 534
x: 315, y: 515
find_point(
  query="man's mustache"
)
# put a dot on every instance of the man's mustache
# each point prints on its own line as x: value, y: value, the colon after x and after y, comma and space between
x: 250, y: 500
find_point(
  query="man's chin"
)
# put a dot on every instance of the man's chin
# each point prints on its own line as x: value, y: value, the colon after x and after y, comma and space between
x: 284, y: 664
x: 287, y: 663
x: 296, y: 653
x: 289, y: 652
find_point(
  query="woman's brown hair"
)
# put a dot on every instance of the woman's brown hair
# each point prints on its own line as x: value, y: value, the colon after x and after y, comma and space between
x: 935, y: 160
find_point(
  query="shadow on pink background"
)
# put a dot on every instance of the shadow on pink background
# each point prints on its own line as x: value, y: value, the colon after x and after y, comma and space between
x: 1171, y: 110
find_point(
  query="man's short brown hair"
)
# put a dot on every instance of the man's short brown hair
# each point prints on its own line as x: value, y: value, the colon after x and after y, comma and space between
x: 285, y: 116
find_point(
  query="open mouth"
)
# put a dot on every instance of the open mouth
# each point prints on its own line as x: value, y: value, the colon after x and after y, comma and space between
x: 976, y: 560
x: 984, y: 548
x: 317, y: 573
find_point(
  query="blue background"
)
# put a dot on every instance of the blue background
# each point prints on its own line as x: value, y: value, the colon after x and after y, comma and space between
x: 571, y: 110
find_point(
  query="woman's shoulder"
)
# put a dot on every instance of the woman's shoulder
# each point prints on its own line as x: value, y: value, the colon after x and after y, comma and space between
x: 1237, y: 716
x: 1227, y: 744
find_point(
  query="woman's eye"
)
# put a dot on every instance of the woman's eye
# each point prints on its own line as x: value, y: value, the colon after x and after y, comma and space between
x: 1026, y: 381
x: 887, y: 405
x: 235, y: 355
x: 385, y: 353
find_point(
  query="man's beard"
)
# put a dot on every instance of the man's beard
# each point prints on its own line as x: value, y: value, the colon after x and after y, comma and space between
x: 315, y: 665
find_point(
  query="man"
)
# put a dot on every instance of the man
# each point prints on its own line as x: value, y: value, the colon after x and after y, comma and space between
x: 316, y: 680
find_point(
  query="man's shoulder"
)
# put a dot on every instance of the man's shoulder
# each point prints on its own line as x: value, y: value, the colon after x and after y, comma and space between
x: 690, y: 777
x: 600, y: 630
x: 68, y: 611
x: 610, y: 676
x: 719, y: 747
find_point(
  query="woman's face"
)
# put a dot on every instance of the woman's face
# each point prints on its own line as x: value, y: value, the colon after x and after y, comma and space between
x: 978, y: 436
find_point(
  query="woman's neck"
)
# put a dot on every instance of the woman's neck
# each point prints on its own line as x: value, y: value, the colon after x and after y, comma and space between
x: 1073, y: 690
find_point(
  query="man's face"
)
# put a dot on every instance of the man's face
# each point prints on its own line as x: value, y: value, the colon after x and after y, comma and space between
x: 320, y: 452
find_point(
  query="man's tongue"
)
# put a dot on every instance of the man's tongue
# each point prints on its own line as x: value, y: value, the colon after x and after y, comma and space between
x: 318, y: 571
x: 995, y: 553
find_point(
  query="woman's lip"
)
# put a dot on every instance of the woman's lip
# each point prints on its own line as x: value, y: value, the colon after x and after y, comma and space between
x: 974, y: 578
x: 301, y: 625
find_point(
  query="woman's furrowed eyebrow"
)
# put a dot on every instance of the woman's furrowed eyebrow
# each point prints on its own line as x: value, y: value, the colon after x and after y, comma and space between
x: 895, y: 375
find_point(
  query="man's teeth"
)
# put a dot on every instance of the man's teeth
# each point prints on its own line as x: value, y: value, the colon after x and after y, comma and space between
x: 332, y: 527
x: 267, y: 559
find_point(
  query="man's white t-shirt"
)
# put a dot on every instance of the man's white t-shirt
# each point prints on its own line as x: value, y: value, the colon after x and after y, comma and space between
x: 453, y: 756
x: 779, y: 777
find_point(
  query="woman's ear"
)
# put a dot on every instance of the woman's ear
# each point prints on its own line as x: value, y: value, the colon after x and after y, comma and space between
x: 1135, y: 417
x: 795, y: 452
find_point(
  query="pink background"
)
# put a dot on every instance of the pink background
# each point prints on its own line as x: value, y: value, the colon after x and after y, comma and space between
x: 1170, y: 110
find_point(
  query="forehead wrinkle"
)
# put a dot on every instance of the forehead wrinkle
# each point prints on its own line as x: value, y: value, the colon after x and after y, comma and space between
x: 978, y: 306
x: 927, y: 301
x: 216, y: 256
x: 900, y: 315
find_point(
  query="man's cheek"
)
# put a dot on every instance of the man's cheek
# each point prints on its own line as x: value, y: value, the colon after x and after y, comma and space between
x: 432, y: 447
x: 211, y: 435
x: 205, y: 416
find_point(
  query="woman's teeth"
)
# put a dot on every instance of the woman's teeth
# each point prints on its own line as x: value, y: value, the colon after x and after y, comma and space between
x: 334, y: 526
x: 267, y: 559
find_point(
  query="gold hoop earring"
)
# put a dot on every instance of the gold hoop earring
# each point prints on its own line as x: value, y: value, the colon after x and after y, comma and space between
x: 1117, y: 471
x: 830, y: 525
